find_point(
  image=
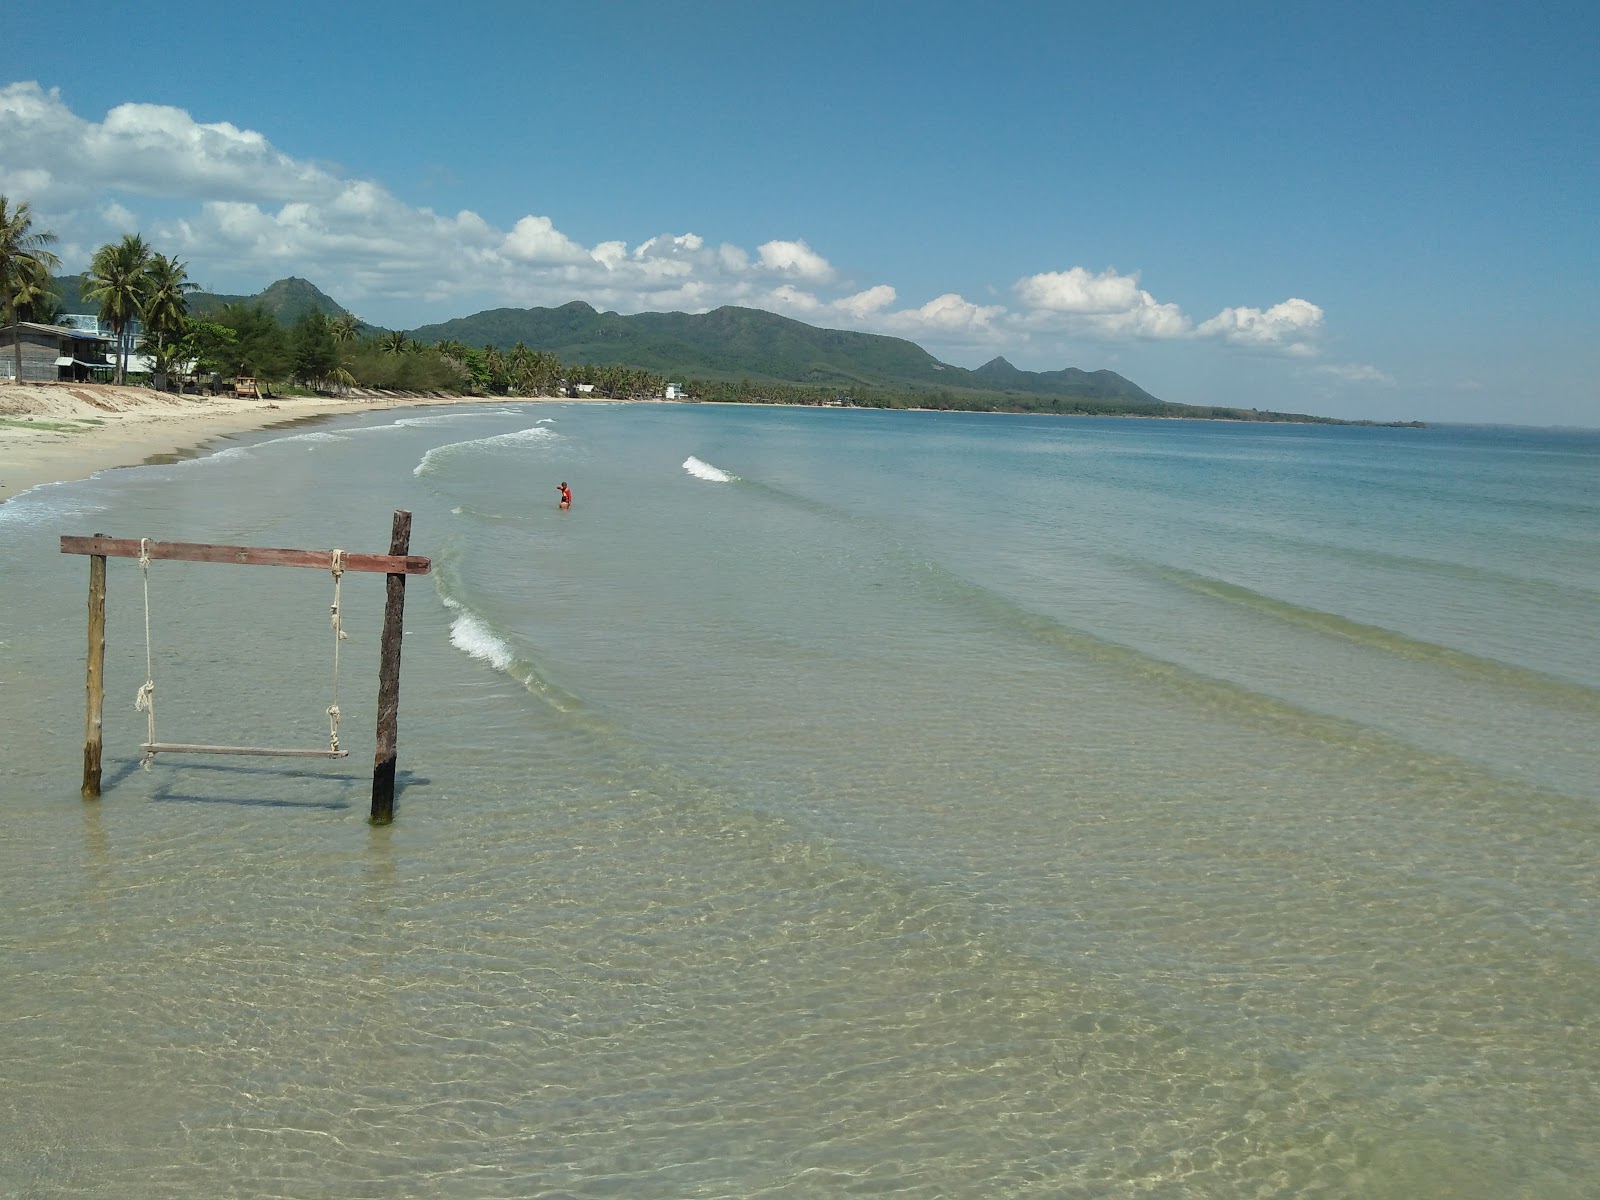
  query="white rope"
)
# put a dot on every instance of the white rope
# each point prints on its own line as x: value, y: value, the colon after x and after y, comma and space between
x: 339, y: 635
x: 145, y: 701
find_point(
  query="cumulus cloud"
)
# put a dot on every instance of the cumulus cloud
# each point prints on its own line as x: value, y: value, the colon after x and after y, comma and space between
x: 115, y: 214
x: 865, y: 304
x: 1105, y: 305
x: 242, y: 213
x: 947, y: 317
x: 796, y: 259
x: 537, y: 240
x: 147, y: 149
x: 1285, y: 326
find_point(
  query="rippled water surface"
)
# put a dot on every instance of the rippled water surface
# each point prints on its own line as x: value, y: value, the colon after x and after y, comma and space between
x: 832, y: 803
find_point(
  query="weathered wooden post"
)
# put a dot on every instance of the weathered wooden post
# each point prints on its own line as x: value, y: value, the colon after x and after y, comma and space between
x: 394, y: 609
x: 95, y: 683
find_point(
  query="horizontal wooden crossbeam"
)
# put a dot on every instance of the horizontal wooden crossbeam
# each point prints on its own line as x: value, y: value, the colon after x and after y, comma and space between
x: 184, y: 748
x: 252, y: 556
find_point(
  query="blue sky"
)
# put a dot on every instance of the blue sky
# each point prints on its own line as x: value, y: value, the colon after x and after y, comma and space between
x: 1362, y: 210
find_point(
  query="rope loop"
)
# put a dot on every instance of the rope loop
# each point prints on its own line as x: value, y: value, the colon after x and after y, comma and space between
x: 339, y: 635
x: 145, y: 701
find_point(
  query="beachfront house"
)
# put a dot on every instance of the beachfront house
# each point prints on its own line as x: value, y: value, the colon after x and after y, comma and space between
x: 672, y: 392
x: 54, y: 353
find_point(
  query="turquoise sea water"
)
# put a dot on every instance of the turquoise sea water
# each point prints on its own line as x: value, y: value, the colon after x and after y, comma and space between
x: 832, y: 803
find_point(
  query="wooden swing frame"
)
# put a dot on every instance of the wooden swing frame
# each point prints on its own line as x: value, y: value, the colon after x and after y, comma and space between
x: 395, y: 565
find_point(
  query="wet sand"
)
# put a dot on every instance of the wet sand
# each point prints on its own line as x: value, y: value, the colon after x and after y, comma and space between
x: 53, y: 432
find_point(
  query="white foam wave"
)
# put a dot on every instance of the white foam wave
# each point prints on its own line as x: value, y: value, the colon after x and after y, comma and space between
x: 314, y: 436
x: 53, y: 503
x: 231, y: 452
x: 477, y: 640
x: 435, y: 419
x: 517, y: 439
x: 704, y: 470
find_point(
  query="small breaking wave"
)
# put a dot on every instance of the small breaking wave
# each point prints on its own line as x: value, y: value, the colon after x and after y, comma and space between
x: 449, y: 418
x: 514, y: 440
x: 475, y: 639
x: 316, y: 435
x: 704, y: 470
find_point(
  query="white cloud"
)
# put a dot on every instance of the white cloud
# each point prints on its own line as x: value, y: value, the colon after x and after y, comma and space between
x: 1105, y: 305
x: 865, y: 304
x: 243, y: 213
x: 116, y: 215
x: 945, y: 316
x: 537, y: 240
x: 787, y: 296
x: 1284, y: 326
x: 1077, y: 291
x: 797, y: 259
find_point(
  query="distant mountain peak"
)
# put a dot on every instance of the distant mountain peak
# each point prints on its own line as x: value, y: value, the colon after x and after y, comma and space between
x: 733, y: 342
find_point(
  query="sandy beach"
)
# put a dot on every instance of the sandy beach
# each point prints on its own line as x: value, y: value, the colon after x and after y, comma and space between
x: 53, y: 432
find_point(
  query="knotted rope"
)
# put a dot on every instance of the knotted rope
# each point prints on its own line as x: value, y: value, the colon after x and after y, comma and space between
x: 145, y: 700
x: 339, y: 635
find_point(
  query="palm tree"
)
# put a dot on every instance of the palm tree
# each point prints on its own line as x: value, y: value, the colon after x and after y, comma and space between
x: 116, y: 281
x: 394, y: 342
x: 344, y: 327
x: 494, y: 365
x: 25, y: 265
x: 165, y: 307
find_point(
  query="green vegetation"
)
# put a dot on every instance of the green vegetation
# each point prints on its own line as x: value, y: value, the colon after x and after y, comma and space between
x: 25, y: 265
x: 82, y: 425
x: 117, y: 283
x: 732, y: 345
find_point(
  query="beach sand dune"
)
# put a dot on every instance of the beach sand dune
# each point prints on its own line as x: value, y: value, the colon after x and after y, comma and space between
x: 51, y: 432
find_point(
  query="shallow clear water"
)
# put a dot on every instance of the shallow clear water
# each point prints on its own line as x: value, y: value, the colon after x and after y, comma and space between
x: 832, y: 803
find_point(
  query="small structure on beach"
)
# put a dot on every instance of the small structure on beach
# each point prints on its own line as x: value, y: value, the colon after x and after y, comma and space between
x: 54, y: 354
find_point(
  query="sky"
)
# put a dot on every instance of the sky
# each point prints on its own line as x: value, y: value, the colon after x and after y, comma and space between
x: 1377, y: 211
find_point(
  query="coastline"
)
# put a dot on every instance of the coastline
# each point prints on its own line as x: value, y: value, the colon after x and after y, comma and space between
x: 57, y: 432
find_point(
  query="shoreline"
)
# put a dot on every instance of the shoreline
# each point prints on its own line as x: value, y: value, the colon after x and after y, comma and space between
x: 61, y: 432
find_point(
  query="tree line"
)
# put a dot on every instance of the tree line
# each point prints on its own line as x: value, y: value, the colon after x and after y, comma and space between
x: 133, y: 287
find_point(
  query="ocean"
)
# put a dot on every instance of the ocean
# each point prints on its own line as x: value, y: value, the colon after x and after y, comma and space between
x: 832, y: 803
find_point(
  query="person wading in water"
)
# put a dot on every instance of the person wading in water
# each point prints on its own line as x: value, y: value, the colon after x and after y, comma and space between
x: 566, y: 496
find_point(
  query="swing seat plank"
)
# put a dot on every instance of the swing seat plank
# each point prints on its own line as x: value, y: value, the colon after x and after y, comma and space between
x: 187, y: 748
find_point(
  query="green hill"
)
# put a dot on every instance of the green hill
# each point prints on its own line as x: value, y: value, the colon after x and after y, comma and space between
x: 287, y: 300
x: 744, y: 343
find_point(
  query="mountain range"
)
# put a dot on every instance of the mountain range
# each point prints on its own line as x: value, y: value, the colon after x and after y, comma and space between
x: 728, y: 343
x: 732, y: 343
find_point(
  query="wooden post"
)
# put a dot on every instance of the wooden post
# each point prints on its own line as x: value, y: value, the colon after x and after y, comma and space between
x: 394, y: 609
x: 95, y: 682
